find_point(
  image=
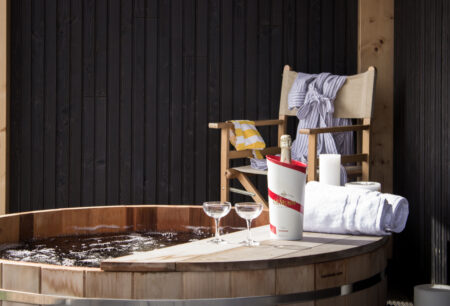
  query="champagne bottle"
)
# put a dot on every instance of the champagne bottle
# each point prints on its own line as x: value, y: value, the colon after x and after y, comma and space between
x: 285, y: 144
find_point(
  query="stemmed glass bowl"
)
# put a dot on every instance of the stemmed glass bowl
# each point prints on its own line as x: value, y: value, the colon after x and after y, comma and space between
x: 217, y: 210
x: 249, y: 211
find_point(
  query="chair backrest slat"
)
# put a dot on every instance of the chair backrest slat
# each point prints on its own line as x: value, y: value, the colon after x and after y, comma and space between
x: 354, y: 99
x: 288, y: 79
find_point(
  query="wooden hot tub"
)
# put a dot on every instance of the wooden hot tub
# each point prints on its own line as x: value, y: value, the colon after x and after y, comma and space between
x: 321, y: 269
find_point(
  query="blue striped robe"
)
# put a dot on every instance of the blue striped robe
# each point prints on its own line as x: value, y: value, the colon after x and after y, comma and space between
x: 313, y: 95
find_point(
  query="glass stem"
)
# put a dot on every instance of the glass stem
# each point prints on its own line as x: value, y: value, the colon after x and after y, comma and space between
x: 217, y: 229
x: 249, y: 233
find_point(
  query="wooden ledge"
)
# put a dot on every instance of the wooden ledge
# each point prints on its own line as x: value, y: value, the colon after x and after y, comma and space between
x: 228, y: 124
x: 202, y: 256
x: 335, y: 129
x: 248, y: 153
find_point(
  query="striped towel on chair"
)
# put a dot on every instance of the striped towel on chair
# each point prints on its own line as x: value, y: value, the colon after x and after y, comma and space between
x: 244, y: 137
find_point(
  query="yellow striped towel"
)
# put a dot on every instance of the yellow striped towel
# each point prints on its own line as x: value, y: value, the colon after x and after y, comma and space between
x: 246, y: 136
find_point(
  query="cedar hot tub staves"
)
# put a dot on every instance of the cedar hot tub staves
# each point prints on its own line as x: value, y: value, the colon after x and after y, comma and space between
x: 321, y: 269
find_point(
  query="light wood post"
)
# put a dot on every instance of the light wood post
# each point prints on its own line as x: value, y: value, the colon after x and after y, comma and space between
x: 312, y: 157
x: 376, y: 48
x: 282, y: 128
x: 4, y: 105
x: 365, y: 149
x: 224, y: 165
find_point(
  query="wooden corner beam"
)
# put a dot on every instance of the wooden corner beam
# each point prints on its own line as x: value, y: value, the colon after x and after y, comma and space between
x: 376, y: 48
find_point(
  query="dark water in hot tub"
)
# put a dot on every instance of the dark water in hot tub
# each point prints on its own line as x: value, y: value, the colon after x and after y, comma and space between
x: 90, y: 250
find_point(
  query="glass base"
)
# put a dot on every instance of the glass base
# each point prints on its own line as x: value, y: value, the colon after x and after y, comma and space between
x: 249, y: 243
x: 218, y: 241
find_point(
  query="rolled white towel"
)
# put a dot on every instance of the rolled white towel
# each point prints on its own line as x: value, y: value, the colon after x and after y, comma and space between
x: 335, y: 209
x: 400, y: 211
x: 400, y: 207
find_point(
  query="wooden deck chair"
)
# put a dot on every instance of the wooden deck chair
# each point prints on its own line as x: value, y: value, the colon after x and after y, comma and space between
x: 354, y: 100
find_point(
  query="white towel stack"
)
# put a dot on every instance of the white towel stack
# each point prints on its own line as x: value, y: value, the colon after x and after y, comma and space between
x: 341, y: 210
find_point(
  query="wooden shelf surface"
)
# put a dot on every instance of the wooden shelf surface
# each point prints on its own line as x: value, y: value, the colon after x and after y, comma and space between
x: 205, y: 256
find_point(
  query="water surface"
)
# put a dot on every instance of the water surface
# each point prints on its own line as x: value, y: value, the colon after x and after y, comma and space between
x: 91, y: 250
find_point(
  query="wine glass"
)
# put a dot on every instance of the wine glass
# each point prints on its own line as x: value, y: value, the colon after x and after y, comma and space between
x: 217, y: 210
x: 249, y: 211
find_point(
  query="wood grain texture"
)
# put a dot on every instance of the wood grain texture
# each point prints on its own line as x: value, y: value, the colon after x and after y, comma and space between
x: 203, y: 256
x: 138, y: 111
x: 151, y: 99
x: 176, y: 220
x: 299, y: 304
x: 72, y: 221
x: 4, y: 104
x: 207, y: 105
x: 198, y: 269
x: 253, y: 283
x: 62, y: 148
x: 49, y: 171
x: 125, y: 100
x: 224, y: 165
x: 84, y: 220
x: 206, y: 285
x: 108, y: 285
x: 312, y: 157
x: 365, y: 149
x: 10, y: 229
x: 47, y: 224
x: 163, y: 102
x: 176, y: 104
x: 98, y: 220
x: 158, y: 285
x: 101, y: 103
x: 217, y: 31
x: 87, y: 116
x: 14, y: 274
x: 337, y: 301
x: 368, y: 265
x: 145, y: 218
x: 111, y: 99
x: 330, y: 274
x: 76, y: 101
x: 12, y: 77
x: 76, y: 221
x: 376, y: 48
x: 113, y: 106
x: 295, y: 279
x: 421, y: 158
x: 57, y: 281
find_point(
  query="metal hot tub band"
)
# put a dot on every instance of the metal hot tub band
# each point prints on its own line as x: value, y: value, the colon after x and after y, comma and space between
x: 42, y: 299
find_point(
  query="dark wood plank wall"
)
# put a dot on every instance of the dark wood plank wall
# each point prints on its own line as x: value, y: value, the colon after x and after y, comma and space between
x: 422, y: 137
x: 111, y: 99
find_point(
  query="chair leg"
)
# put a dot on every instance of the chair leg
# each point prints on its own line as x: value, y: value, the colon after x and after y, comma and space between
x: 365, y: 165
x: 224, y: 165
x: 248, y: 185
x: 282, y: 128
x: 312, y: 157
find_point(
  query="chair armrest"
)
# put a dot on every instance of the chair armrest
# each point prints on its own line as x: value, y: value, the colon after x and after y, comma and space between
x: 335, y: 129
x: 228, y: 124
x: 219, y: 125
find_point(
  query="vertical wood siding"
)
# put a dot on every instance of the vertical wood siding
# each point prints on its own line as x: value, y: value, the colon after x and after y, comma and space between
x: 421, y: 138
x: 110, y: 99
